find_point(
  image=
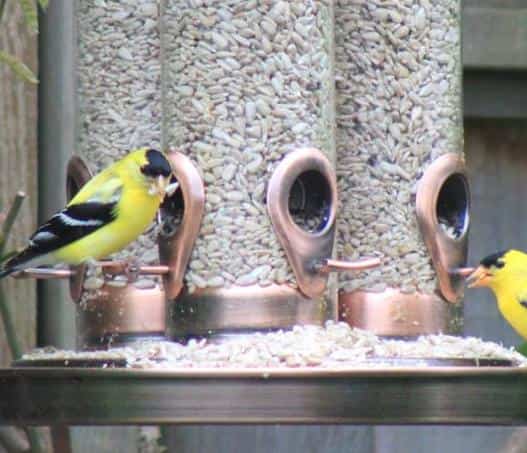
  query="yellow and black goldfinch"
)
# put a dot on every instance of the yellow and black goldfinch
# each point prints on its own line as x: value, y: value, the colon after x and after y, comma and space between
x: 505, y: 273
x: 108, y: 213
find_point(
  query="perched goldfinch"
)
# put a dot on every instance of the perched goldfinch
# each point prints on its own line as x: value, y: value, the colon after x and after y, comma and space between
x: 505, y: 273
x: 108, y: 213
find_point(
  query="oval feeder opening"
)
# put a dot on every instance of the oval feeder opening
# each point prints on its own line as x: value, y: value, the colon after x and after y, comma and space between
x: 310, y: 201
x: 452, y: 206
x: 172, y: 211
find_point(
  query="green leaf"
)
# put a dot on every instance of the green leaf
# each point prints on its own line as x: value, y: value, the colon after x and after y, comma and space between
x: 2, y: 8
x: 522, y: 349
x: 43, y: 3
x: 29, y: 9
x: 19, y: 68
x: 8, y: 255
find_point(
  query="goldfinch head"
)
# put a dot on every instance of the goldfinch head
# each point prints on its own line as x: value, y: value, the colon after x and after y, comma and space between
x: 499, y: 269
x: 156, y: 169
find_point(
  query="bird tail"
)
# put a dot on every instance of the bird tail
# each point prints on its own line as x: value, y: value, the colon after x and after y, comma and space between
x: 18, y: 262
x: 6, y: 271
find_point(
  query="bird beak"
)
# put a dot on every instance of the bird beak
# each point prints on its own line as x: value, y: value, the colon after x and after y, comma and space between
x: 480, y: 277
x: 171, y: 188
x: 160, y: 185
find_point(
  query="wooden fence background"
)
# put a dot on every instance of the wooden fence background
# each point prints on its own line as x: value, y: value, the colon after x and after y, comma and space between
x: 18, y: 164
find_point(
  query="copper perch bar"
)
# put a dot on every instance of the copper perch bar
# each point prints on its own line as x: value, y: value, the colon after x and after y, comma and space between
x: 109, y: 267
x: 462, y: 271
x: 330, y: 265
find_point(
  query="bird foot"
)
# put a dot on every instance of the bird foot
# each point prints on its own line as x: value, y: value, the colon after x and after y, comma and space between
x: 93, y: 268
x: 131, y: 269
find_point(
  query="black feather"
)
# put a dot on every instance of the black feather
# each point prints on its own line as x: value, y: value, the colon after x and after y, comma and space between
x: 65, y: 227
x: 5, y: 272
x: 157, y: 165
x: 494, y: 260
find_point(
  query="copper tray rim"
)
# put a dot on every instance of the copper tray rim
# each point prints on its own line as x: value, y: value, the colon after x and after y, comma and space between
x: 388, y: 396
x: 270, y: 372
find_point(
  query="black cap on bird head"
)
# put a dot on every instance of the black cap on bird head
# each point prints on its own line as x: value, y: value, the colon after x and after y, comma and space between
x: 157, y: 164
x: 485, y: 273
x: 496, y: 260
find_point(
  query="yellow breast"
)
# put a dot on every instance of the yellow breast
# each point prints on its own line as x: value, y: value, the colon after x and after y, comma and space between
x: 135, y: 212
x: 513, y: 312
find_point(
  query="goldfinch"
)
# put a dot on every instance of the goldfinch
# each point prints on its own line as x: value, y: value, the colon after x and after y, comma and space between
x: 505, y: 273
x: 108, y: 213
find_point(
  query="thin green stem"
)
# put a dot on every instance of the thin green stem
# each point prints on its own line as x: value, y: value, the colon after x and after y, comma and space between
x: 10, y: 218
x: 2, y: 8
x: 34, y: 439
x: 5, y: 313
x: 9, y: 327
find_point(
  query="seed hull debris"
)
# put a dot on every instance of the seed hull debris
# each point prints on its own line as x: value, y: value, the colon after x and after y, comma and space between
x: 334, y: 345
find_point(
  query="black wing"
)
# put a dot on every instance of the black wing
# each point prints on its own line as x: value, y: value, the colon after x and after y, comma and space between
x: 70, y: 224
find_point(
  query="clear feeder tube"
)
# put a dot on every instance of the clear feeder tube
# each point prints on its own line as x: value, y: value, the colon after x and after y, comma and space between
x: 399, y: 107
x: 245, y: 82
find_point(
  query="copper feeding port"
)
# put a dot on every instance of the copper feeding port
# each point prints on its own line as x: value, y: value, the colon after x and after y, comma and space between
x: 302, y: 203
x: 181, y: 215
x: 442, y: 207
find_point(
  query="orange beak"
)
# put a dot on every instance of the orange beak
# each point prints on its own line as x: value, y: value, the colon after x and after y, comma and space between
x: 480, y: 277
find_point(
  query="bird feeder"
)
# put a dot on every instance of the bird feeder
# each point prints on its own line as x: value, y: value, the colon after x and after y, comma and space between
x: 275, y: 171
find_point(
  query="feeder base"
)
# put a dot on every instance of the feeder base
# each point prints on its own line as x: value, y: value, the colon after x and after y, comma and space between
x: 242, y: 309
x: 393, y: 313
